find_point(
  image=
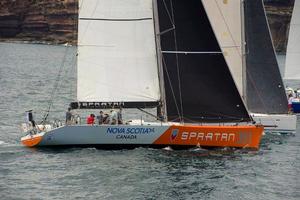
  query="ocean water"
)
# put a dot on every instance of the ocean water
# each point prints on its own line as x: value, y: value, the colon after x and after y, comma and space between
x: 28, y: 74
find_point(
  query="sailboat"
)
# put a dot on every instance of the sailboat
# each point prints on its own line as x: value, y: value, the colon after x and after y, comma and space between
x: 153, y: 54
x: 292, y: 66
x: 292, y: 69
x: 265, y: 91
x: 243, y: 34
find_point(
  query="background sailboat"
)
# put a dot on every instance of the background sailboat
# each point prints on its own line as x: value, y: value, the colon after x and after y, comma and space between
x: 265, y: 93
x: 244, y: 36
x: 292, y: 66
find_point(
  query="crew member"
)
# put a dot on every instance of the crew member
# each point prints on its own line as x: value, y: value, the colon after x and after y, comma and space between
x: 120, y: 120
x: 100, y: 118
x: 290, y: 102
x: 29, y: 117
x: 106, y: 118
x: 90, y: 119
x: 69, y: 117
x: 113, y: 117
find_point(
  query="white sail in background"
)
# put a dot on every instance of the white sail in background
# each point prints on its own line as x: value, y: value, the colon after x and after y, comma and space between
x: 117, y: 59
x: 225, y: 18
x: 292, y: 67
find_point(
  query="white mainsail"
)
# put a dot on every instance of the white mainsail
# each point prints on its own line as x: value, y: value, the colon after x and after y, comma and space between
x: 292, y: 66
x: 117, y: 59
x: 225, y: 17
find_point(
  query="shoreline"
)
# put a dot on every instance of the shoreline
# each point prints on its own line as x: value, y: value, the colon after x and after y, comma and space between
x: 37, y: 42
x: 67, y: 44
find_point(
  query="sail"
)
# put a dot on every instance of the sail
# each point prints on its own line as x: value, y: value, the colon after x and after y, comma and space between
x: 117, y: 58
x: 264, y: 87
x: 292, y: 67
x: 225, y: 18
x: 198, y: 83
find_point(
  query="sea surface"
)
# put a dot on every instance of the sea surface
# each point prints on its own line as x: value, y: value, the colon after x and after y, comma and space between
x: 28, y: 76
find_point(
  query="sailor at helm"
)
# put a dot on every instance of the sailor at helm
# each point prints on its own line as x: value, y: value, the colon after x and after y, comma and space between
x: 29, y: 118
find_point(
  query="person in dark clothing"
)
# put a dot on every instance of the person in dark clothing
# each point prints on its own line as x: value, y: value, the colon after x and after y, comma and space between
x: 106, y: 118
x: 30, y: 119
x: 100, y: 118
x: 68, y: 117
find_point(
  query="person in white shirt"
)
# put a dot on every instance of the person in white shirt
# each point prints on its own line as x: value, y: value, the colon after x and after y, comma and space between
x: 113, y: 117
x: 120, y: 118
x: 290, y: 102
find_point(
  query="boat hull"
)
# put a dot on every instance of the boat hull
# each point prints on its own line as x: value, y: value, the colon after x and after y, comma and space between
x: 122, y: 136
x: 277, y: 123
x: 296, y: 107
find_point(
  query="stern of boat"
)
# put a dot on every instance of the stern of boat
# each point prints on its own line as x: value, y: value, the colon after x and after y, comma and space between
x: 33, y: 135
x: 32, y: 140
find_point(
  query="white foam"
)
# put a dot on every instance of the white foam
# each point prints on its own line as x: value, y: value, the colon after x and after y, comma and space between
x: 168, y: 148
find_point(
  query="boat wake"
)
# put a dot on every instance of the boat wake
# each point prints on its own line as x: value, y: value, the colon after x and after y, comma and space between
x: 9, y: 144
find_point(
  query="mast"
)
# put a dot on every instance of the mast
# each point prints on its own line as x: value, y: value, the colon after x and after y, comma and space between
x: 243, y: 43
x: 161, y: 109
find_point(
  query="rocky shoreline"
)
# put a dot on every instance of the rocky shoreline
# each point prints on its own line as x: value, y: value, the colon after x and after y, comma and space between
x: 55, y: 21
x: 45, y: 21
x: 279, y: 18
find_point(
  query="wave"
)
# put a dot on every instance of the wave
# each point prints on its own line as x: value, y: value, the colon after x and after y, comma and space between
x: 9, y: 144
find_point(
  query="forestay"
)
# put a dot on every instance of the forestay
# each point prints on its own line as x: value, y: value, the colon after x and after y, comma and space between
x: 292, y: 68
x: 117, y: 59
x: 225, y: 18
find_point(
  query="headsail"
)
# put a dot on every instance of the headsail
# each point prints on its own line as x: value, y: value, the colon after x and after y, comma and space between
x: 292, y: 67
x: 264, y: 87
x: 198, y: 83
x: 226, y: 20
x: 117, y: 60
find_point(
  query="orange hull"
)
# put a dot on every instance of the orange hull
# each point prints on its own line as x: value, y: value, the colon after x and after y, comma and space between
x: 31, y: 141
x: 213, y: 136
